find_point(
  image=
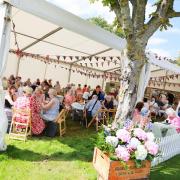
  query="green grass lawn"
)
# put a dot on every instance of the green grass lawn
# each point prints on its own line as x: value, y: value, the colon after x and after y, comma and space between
x: 65, y: 158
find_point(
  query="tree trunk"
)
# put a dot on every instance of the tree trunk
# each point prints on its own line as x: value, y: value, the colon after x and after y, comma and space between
x: 130, y: 75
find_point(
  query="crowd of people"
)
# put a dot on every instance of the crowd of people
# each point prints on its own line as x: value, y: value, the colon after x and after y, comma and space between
x: 160, y: 106
x: 46, y: 100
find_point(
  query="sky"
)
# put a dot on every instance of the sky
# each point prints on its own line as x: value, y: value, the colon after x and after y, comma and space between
x: 165, y: 43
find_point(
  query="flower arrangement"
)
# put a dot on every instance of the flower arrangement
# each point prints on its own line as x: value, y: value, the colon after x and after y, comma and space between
x: 124, y: 145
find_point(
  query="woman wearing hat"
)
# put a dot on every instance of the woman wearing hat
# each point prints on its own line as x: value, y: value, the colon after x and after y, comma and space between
x: 35, y: 105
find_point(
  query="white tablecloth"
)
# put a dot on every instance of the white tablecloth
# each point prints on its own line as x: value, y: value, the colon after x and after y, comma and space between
x: 162, y: 129
x: 77, y: 106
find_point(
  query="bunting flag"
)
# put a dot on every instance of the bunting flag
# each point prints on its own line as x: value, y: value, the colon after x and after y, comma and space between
x: 157, y: 83
x: 83, y: 71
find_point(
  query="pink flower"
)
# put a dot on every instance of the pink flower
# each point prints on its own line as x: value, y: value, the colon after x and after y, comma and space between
x: 122, y: 153
x: 140, y: 134
x: 123, y: 135
x: 151, y: 147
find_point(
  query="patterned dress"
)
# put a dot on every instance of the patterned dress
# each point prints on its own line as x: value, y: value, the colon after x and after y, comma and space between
x: 37, y: 122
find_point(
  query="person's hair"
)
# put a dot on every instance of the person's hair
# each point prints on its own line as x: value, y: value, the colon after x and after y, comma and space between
x: 52, y: 92
x: 10, y: 88
x: 28, y: 90
x: 139, y: 106
x: 85, y: 85
x: 38, y: 89
x: 98, y: 86
x: 145, y: 100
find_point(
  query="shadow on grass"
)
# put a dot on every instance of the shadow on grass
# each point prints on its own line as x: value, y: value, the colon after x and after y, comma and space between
x: 27, y: 155
x: 77, y: 144
x: 167, y: 170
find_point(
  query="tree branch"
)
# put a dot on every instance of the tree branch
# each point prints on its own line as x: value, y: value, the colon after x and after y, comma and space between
x: 139, y: 15
x: 126, y: 18
x: 157, y: 19
x: 117, y: 10
x: 174, y: 14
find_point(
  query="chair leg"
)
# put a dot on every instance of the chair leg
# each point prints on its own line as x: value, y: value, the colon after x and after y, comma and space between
x: 90, y: 122
x: 96, y: 124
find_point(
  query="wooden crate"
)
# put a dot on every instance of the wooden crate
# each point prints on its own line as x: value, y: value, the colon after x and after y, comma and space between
x: 114, y: 170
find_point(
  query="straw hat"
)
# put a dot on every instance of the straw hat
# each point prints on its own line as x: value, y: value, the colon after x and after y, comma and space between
x: 27, y: 90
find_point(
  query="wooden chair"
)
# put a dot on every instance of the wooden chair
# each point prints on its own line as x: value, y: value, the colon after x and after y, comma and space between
x: 15, y: 131
x: 111, y: 115
x: 61, y: 120
x: 99, y: 118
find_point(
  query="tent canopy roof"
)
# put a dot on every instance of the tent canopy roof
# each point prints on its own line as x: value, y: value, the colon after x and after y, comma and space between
x: 45, y: 29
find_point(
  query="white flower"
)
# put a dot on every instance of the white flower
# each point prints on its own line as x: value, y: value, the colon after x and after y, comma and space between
x: 141, y: 152
x: 134, y: 142
x: 112, y: 140
x: 150, y: 136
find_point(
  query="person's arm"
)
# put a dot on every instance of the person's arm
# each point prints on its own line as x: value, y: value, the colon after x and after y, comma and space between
x: 178, y: 109
x: 8, y: 98
x: 49, y: 105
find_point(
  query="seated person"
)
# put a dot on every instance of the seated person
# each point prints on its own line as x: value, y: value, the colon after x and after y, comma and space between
x: 79, y: 90
x: 178, y: 110
x: 145, y: 118
x: 79, y: 98
x: 173, y: 119
x: 108, y: 102
x: 37, y: 123
x: 69, y: 99
x: 137, y: 113
x: 146, y: 103
x: 154, y: 108
x: 92, y: 107
x: 50, y: 113
x: 10, y: 97
x: 86, y: 97
x: 51, y: 108
x: 98, y: 92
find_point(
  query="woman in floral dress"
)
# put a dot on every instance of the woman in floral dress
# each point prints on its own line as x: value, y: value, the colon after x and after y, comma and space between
x: 37, y: 123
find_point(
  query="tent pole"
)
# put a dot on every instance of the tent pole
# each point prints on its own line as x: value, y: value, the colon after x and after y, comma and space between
x: 5, y: 31
x: 45, y: 71
x: 164, y: 87
x: 103, y: 81
x: 69, y: 75
x: 18, y: 65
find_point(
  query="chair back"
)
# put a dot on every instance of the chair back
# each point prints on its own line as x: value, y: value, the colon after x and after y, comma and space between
x: 62, y: 116
x: 26, y: 113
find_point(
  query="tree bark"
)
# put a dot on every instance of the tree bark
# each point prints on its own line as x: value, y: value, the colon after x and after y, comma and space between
x: 131, y: 71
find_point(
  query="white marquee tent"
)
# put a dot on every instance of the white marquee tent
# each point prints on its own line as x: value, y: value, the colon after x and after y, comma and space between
x: 46, y: 30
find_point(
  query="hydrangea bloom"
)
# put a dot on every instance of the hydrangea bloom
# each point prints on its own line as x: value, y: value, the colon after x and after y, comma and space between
x: 134, y: 142
x: 122, y: 153
x: 151, y: 147
x: 141, y: 153
x: 123, y: 135
x: 150, y: 136
x: 140, y: 134
x: 112, y: 140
